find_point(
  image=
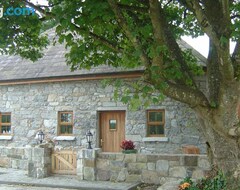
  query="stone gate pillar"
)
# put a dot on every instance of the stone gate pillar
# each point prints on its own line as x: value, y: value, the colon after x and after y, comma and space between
x: 39, y: 165
x: 86, y: 164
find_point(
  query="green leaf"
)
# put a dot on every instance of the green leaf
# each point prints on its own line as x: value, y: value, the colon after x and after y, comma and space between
x: 125, y: 99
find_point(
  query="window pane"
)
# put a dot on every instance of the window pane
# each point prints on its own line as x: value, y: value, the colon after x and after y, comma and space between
x: 155, y: 116
x: 70, y: 129
x: 6, y: 118
x: 155, y: 130
x: 66, y: 129
x: 6, y: 129
x: 66, y: 117
x: 62, y: 129
x: 112, y: 124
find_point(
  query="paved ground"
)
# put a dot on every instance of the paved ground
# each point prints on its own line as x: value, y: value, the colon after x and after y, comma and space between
x: 16, y: 177
x: 26, y: 187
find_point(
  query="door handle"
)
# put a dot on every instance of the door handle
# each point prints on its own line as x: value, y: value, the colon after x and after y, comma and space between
x: 101, y: 141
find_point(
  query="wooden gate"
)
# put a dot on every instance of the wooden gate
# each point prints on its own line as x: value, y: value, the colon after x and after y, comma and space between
x: 64, y: 162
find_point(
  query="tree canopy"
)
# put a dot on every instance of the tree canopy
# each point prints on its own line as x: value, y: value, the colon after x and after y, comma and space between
x: 131, y: 34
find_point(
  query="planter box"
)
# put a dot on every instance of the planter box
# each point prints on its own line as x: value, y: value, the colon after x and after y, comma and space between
x: 190, y: 149
x: 134, y: 151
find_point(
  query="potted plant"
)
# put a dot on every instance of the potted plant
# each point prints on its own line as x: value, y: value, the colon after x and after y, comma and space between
x: 128, y: 147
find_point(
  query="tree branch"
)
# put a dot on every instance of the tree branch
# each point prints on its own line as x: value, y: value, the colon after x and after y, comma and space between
x: 236, y: 59
x: 122, y: 22
x: 168, y: 3
x: 133, y: 8
x: 235, y: 16
x: 213, y: 75
x: 164, y: 36
x: 186, y: 95
x: 38, y: 8
x: 157, y: 30
x: 182, y: 93
x: 194, y: 6
x: 45, y: 6
x: 219, y: 34
x: 101, y: 39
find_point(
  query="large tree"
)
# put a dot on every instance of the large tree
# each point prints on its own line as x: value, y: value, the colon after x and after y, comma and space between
x: 133, y: 33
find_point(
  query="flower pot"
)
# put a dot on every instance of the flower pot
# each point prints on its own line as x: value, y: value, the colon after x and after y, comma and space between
x: 133, y: 151
x: 190, y: 149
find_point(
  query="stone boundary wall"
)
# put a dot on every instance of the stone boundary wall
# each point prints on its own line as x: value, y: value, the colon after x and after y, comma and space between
x: 94, y: 165
x: 148, y: 168
x: 36, y: 160
x: 16, y: 158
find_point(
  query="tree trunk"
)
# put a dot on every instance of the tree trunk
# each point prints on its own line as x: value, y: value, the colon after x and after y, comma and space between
x: 222, y: 152
x: 223, y: 149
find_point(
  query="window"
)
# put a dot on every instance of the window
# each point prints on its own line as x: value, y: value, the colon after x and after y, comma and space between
x: 65, y: 123
x: 155, y: 123
x: 5, y: 123
x: 113, y: 124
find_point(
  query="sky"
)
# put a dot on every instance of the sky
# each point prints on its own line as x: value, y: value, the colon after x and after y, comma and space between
x: 201, y: 44
x: 41, y: 2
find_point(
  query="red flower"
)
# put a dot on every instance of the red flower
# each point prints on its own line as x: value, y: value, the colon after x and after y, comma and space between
x: 127, y: 145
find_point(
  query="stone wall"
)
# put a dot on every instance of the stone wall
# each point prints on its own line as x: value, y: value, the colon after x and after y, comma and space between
x: 35, y: 107
x: 148, y: 168
x: 36, y: 160
x: 93, y: 165
x: 16, y: 158
x: 39, y: 165
x: 86, y: 164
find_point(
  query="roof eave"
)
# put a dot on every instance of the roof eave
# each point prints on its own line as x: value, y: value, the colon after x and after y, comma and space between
x: 95, y: 76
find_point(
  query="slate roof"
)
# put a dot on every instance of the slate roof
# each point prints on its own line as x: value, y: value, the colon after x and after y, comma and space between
x: 53, y: 64
x: 201, y: 59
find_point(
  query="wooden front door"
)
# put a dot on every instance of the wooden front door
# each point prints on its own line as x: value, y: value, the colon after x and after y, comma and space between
x: 112, y: 130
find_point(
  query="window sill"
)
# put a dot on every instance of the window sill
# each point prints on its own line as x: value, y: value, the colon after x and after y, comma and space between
x: 65, y: 138
x: 155, y: 139
x: 6, y: 137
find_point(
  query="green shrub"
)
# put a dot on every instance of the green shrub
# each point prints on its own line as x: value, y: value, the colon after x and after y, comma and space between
x: 218, y: 182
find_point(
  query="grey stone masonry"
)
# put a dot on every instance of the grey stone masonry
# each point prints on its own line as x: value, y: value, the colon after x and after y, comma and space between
x: 35, y: 107
x: 94, y: 165
x: 40, y: 164
x: 16, y: 158
x: 149, y: 168
x: 36, y: 160
x: 86, y: 164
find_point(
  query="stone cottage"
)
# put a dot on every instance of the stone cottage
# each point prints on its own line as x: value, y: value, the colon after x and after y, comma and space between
x: 46, y: 96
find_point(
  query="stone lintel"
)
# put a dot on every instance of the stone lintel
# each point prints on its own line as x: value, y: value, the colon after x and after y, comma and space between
x: 115, y: 108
